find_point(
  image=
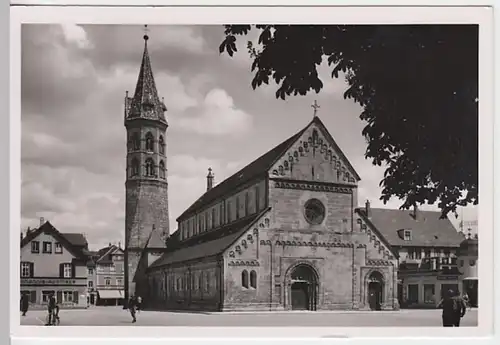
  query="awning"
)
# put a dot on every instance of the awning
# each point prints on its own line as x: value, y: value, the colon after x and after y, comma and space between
x: 110, y: 294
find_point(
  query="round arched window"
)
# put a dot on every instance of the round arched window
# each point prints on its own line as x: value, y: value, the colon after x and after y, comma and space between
x: 314, y: 211
x: 461, y: 263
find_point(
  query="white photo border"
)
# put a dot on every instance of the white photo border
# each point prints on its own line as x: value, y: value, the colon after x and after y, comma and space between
x: 213, y: 15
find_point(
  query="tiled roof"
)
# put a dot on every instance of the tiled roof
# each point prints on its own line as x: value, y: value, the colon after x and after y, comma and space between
x: 212, y: 243
x: 428, y: 230
x: 251, y: 171
x: 64, y: 239
x: 146, y: 93
x: 76, y: 239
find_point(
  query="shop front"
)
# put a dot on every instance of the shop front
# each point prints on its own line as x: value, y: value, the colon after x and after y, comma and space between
x: 426, y: 291
x: 69, y: 292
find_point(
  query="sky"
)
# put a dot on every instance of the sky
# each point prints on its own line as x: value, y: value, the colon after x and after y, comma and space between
x: 73, y: 142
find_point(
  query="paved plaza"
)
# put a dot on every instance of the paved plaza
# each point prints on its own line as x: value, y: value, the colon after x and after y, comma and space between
x: 116, y: 316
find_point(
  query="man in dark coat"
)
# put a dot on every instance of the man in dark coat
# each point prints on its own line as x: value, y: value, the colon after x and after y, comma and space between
x: 25, y: 303
x: 132, y: 306
x: 461, y: 308
x: 453, y: 309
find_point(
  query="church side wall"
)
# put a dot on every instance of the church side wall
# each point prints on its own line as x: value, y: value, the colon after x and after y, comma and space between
x: 187, y: 286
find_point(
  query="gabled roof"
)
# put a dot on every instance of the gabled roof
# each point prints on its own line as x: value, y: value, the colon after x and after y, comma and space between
x: 320, y: 124
x: 103, y: 255
x: 429, y: 230
x: 78, y: 240
x: 260, y: 166
x: 145, y: 94
x: 66, y: 243
x: 210, y: 244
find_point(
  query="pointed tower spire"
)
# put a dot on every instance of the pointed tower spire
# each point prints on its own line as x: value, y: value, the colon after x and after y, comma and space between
x: 146, y: 103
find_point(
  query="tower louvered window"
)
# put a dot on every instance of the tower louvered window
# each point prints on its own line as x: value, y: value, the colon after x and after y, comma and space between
x: 149, y: 142
x: 161, y: 145
x: 150, y: 167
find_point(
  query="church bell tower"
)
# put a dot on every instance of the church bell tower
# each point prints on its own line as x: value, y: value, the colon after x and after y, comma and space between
x: 146, y: 205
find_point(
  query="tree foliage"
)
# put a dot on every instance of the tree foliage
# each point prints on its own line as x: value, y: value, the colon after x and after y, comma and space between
x: 417, y: 86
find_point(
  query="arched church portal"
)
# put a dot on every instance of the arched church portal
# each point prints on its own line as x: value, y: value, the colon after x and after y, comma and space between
x: 303, y: 288
x: 375, y: 290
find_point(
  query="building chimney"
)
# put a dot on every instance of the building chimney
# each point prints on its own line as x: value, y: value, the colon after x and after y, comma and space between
x: 42, y: 220
x: 28, y: 230
x: 22, y: 236
x: 119, y: 244
x: 415, y: 211
x: 368, y: 209
x: 210, y: 179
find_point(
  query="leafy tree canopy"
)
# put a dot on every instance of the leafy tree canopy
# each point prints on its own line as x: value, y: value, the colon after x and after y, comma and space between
x: 417, y: 86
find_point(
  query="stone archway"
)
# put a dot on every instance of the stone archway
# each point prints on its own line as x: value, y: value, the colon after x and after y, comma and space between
x: 375, y: 285
x: 303, y: 287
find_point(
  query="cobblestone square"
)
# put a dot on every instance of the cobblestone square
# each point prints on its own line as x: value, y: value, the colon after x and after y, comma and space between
x: 116, y: 316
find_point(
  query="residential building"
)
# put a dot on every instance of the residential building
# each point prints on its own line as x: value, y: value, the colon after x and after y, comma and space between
x: 54, y: 262
x: 428, y: 248
x: 108, y: 273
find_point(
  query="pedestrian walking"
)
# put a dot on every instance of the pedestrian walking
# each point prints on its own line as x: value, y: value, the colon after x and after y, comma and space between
x: 139, y: 304
x: 132, y: 307
x: 53, y: 310
x: 453, y: 309
x: 25, y: 302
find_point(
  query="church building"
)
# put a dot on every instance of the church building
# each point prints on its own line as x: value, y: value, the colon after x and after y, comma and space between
x: 283, y: 233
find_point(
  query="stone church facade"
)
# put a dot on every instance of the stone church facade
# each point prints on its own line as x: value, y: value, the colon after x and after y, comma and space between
x: 283, y: 233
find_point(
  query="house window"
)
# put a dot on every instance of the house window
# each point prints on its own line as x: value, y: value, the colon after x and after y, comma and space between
x: 107, y: 281
x: 429, y: 291
x: 237, y: 207
x: 447, y: 253
x: 90, y: 271
x: 67, y: 270
x: 229, y: 212
x: 413, y: 293
x: 46, y: 295
x: 90, y: 284
x: 25, y: 269
x: 35, y: 247
x: 253, y: 279
x: 257, y: 199
x: 67, y: 296
x: 58, y: 249
x: 119, y: 281
x: 407, y: 235
x: 244, y: 279
x: 47, y: 247
x: 221, y: 214
x: 427, y: 253
x: 472, y: 263
x: 247, y: 203
x: 213, y: 217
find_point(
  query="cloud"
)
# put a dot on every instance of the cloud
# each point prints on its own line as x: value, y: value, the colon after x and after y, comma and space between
x: 217, y: 115
x: 76, y: 34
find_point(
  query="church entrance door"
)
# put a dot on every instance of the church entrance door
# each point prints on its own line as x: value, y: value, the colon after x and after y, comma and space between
x: 375, y: 291
x: 304, y: 288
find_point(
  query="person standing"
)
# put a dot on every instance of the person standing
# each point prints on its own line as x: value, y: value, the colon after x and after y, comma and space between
x: 460, y: 308
x: 132, y: 306
x: 25, y: 302
x: 51, y: 309
x: 449, y: 312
